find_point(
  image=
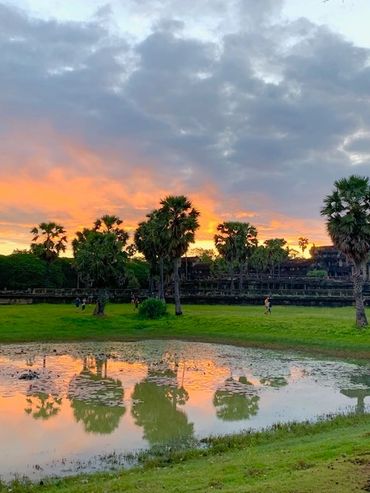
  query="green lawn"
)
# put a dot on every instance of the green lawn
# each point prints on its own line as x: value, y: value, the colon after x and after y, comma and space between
x: 327, y: 330
x: 329, y: 457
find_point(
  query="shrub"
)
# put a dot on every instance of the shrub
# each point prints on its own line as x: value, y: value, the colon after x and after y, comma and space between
x: 152, y: 308
x: 318, y: 273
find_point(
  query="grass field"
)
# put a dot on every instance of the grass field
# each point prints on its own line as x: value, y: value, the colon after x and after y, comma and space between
x: 327, y: 330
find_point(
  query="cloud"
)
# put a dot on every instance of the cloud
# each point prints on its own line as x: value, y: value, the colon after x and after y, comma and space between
x: 258, y: 118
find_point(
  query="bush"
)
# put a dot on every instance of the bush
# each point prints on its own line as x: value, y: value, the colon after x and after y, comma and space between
x: 318, y: 273
x: 152, y: 308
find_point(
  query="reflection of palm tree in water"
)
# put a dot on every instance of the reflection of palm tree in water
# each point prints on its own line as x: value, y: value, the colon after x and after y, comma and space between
x: 41, y: 405
x: 155, y: 402
x: 359, y: 394
x: 96, y: 399
x: 235, y: 400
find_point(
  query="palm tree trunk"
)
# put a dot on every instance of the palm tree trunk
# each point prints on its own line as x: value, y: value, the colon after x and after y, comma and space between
x: 99, y: 310
x: 231, y: 272
x: 358, y: 282
x: 161, y: 280
x: 151, y: 285
x: 176, y: 280
x: 241, y: 275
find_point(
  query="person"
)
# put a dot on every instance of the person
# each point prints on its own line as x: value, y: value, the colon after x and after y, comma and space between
x: 77, y: 302
x: 83, y: 305
x: 135, y: 301
x: 267, y: 304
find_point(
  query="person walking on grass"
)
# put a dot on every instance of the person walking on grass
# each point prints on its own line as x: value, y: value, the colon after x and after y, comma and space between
x: 135, y: 301
x: 267, y: 304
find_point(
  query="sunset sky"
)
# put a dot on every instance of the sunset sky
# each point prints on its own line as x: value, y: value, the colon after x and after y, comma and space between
x: 252, y: 108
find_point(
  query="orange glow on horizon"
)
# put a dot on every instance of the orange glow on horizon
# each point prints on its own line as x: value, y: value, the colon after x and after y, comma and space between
x: 75, y: 186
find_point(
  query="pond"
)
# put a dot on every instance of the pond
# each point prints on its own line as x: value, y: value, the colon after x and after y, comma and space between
x: 67, y: 408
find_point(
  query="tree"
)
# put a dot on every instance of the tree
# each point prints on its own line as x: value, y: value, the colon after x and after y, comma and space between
x: 137, y: 269
x: 277, y: 253
x: 259, y: 259
x: 303, y: 243
x: 151, y: 240
x: 181, y: 222
x: 347, y: 210
x: 235, y: 242
x: 205, y: 255
x: 111, y: 224
x: 24, y: 270
x: 100, y: 257
x: 49, y: 239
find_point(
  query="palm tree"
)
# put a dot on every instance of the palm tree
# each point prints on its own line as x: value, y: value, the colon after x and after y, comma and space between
x: 303, y: 243
x: 111, y: 224
x: 150, y: 240
x: 347, y: 210
x: 235, y: 242
x: 99, y: 255
x: 181, y: 222
x: 48, y: 241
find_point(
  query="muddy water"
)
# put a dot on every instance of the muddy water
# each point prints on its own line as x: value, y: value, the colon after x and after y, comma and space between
x: 87, y: 405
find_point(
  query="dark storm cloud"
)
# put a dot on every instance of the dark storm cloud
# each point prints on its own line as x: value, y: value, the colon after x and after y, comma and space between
x: 274, y: 108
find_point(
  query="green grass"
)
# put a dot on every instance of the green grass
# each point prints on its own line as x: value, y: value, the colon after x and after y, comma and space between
x: 327, y: 330
x: 329, y: 457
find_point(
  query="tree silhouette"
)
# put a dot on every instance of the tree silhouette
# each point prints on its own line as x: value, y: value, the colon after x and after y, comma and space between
x: 347, y: 210
x: 181, y: 222
x: 151, y: 240
x: 100, y: 257
x: 48, y: 240
x: 235, y: 242
x: 303, y: 243
x: 277, y: 253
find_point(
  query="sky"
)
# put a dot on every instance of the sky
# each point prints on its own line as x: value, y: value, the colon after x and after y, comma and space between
x: 252, y: 108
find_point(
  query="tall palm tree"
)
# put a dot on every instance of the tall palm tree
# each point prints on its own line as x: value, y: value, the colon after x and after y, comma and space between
x: 150, y: 240
x: 347, y: 210
x: 181, y: 221
x: 48, y: 240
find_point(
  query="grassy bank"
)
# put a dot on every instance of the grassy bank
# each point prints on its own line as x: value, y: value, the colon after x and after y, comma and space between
x: 331, y: 456
x: 326, y: 330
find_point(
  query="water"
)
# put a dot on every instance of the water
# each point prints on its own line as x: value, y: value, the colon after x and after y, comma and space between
x: 94, y: 402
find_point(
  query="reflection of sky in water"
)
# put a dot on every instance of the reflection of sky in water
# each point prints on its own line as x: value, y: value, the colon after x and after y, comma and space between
x: 93, y: 399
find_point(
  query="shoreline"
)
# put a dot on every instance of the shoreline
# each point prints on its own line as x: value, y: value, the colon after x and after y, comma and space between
x: 275, y: 441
